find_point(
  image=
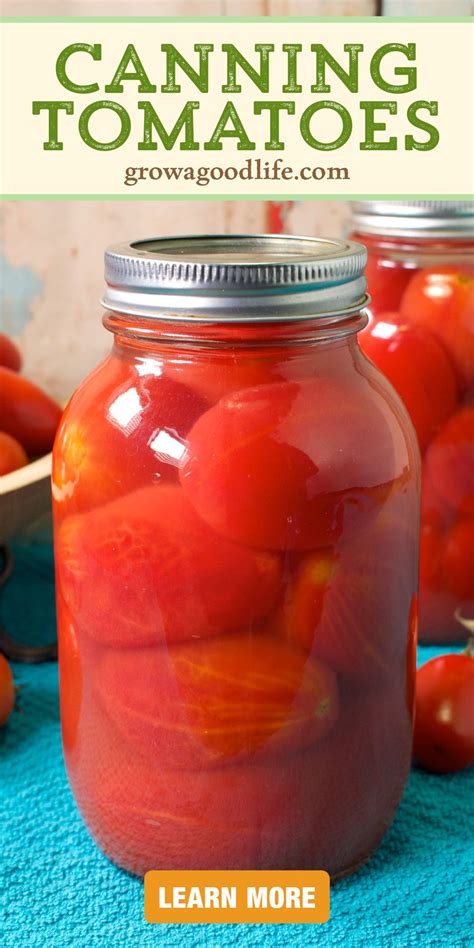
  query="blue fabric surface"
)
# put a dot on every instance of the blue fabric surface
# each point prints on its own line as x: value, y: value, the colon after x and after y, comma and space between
x: 56, y: 889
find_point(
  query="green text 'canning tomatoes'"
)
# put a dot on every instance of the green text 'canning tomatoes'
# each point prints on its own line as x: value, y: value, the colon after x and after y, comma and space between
x: 126, y: 412
x: 444, y: 715
x: 227, y: 697
x: 9, y: 353
x: 442, y: 299
x: 450, y: 462
x: 7, y: 690
x: 12, y: 454
x: 418, y: 367
x: 146, y: 570
x: 267, y: 466
x: 27, y: 413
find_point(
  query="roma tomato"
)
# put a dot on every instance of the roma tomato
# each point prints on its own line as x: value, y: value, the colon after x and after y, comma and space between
x: 450, y: 462
x: 228, y: 698
x: 7, y: 690
x: 458, y: 560
x: 221, y: 373
x: 416, y: 364
x: 351, y: 607
x: 126, y: 414
x: 9, y: 353
x: 145, y: 570
x: 386, y: 283
x: 268, y: 466
x: 27, y: 413
x: 442, y: 300
x: 70, y: 676
x: 12, y: 455
x: 444, y: 718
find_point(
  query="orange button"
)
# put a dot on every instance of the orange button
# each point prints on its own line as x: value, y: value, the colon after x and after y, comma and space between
x: 271, y: 897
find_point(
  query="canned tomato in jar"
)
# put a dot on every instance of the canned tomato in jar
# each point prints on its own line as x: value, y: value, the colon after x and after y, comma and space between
x: 236, y: 494
x: 421, y: 335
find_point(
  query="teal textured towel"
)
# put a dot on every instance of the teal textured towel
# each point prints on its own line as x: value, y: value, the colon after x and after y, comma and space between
x: 58, y: 890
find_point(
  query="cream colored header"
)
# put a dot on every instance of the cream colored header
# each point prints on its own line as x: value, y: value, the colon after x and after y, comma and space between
x: 203, y: 109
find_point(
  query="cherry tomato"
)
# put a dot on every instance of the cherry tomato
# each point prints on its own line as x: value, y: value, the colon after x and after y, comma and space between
x: 351, y: 607
x: 442, y: 300
x: 145, y: 570
x: 417, y: 366
x: 267, y: 466
x: 434, y: 510
x: 7, y: 690
x: 450, y: 461
x: 9, y: 353
x: 204, y: 703
x: 458, y: 560
x: 386, y: 283
x: 27, y: 413
x: 12, y: 455
x: 128, y: 416
x: 444, y: 717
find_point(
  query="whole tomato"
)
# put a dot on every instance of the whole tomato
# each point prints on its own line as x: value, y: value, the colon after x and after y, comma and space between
x: 418, y: 367
x: 450, y: 462
x: 442, y: 300
x: 12, y: 455
x: 125, y: 413
x: 444, y: 714
x: 9, y: 353
x: 290, y: 465
x: 386, y: 283
x: 27, y: 413
x: 145, y: 570
x: 229, y: 698
x: 7, y: 690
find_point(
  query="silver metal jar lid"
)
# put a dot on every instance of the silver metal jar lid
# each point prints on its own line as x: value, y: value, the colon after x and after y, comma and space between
x: 241, y: 278
x: 449, y: 220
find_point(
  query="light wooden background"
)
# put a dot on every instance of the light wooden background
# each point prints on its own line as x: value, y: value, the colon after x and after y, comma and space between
x: 51, y: 261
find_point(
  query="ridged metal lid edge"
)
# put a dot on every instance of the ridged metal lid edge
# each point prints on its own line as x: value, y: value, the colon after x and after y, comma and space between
x: 449, y: 220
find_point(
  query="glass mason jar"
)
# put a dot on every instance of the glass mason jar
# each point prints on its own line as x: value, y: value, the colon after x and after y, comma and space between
x: 236, y: 494
x: 421, y: 335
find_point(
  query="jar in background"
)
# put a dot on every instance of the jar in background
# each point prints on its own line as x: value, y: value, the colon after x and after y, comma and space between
x: 421, y: 335
x: 236, y: 494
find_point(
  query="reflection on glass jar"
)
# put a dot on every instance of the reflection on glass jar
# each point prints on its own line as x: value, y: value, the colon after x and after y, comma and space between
x: 236, y: 493
x: 421, y: 335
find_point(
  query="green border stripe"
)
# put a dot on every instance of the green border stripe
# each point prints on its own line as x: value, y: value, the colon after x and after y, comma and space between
x: 234, y: 197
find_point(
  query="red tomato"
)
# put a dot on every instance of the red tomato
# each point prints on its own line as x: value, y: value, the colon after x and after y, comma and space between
x: 327, y: 806
x: 9, y: 353
x: 205, y: 703
x: 290, y: 465
x: 442, y: 299
x: 434, y: 510
x: 417, y: 366
x: 352, y: 607
x: 223, y: 372
x: 12, y: 455
x: 70, y: 676
x: 134, y: 415
x: 27, y: 413
x: 444, y: 717
x: 386, y: 283
x: 7, y: 690
x: 458, y: 560
x: 450, y: 461
x: 145, y: 569
x: 431, y: 554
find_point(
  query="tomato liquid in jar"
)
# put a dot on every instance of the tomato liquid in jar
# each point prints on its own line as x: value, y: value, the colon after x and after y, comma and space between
x: 236, y: 493
x: 421, y: 335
